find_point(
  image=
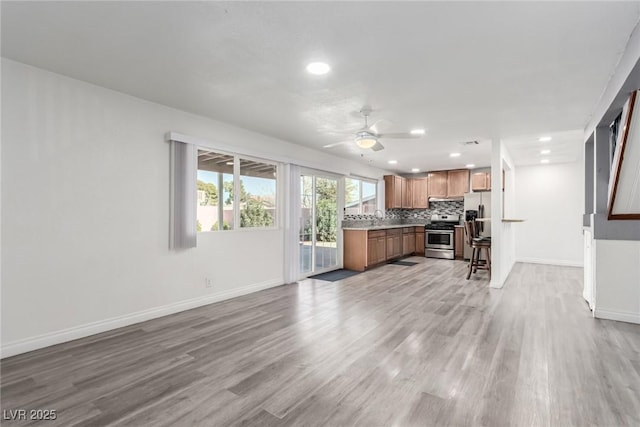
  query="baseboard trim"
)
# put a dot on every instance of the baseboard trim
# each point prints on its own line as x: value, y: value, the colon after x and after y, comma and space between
x: 81, y: 331
x: 621, y: 316
x: 561, y: 262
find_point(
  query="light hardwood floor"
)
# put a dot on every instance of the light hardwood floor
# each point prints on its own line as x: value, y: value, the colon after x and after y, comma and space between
x: 395, y: 346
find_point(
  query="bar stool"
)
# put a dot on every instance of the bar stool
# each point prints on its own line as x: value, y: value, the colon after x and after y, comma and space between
x: 477, y: 245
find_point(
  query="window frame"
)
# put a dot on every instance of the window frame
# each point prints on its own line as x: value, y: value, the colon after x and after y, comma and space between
x: 277, y: 223
x: 360, y: 181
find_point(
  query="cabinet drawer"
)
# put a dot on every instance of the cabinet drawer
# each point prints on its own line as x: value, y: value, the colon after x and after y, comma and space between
x: 394, y: 232
x: 377, y: 233
x: 407, y: 230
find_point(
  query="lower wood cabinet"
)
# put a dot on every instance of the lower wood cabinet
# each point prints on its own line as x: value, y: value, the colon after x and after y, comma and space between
x: 458, y: 242
x: 394, y: 243
x: 376, y: 247
x: 408, y: 241
x: 366, y: 248
x: 419, y: 233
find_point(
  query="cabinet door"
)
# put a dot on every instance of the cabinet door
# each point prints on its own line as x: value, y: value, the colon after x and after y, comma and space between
x: 412, y: 244
x: 457, y: 182
x: 405, y: 244
x: 392, y: 192
x: 389, y: 247
x: 397, y: 191
x: 419, y: 241
x: 397, y: 245
x: 419, y: 193
x: 458, y: 242
x: 406, y: 193
x: 479, y: 181
x: 382, y: 249
x: 438, y: 184
x: 372, y: 251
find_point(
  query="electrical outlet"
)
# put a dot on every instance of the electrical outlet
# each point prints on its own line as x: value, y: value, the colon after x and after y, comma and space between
x: 208, y: 283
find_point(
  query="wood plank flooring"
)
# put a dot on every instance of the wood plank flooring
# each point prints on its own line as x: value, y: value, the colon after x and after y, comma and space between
x: 395, y: 346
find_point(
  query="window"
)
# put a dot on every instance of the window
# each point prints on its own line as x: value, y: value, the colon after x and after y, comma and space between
x: 360, y: 197
x: 257, y: 194
x: 215, y: 191
x: 218, y: 207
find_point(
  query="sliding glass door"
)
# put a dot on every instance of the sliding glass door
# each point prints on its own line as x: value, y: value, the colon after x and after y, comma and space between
x: 318, y: 232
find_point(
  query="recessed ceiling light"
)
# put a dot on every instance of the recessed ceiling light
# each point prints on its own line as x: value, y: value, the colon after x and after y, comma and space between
x: 318, y: 68
x: 392, y: 162
x: 544, y: 138
x: 417, y: 132
x: 544, y: 161
x: 470, y: 165
x: 415, y: 170
x: 454, y: 155
x: 545, y: 151
x: 229, y: 163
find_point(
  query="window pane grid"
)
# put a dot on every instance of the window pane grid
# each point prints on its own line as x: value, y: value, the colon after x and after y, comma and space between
x: 360, y: 197
x: 220, y: 178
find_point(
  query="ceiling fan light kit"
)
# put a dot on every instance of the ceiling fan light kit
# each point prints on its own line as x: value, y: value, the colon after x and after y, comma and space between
x: 365, y: 140
x: 368, y: 137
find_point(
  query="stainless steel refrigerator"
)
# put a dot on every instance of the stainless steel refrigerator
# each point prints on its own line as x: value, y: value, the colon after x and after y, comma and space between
x: 481, y: 203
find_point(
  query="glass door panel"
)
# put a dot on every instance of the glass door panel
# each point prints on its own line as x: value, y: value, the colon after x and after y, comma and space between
x: 318, y: 231
x: 306, y: 224
x: 326, y: 220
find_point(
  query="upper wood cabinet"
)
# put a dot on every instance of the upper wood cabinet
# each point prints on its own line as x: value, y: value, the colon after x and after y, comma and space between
x: 398, y: 192
x: 481, y: 181
x: 420, y: 193
x: 438, y: 184
x: 393, y: 191
x: 406, y: 193
x: 457, y: 182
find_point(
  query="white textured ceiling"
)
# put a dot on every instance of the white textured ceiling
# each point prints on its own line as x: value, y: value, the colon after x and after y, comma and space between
x: 463, y: 71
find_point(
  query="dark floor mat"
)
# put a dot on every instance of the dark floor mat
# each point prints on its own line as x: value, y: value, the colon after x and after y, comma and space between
x: 407, y: 263
x: 335, y: 275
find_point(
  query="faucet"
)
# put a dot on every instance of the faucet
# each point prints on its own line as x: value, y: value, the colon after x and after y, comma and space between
x: 379, y: 217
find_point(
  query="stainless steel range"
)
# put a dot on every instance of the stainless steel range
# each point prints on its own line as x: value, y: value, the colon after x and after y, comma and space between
x: 438, y: 239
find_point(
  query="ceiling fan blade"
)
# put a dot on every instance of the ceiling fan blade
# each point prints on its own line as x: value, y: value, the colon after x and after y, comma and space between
x: 378, y: 146
x: 399, y: 135
x: 380, y: 125
x: 335, y: 144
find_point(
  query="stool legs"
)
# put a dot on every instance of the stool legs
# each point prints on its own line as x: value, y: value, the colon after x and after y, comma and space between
x: 473, y: 256
x: 475, y: 262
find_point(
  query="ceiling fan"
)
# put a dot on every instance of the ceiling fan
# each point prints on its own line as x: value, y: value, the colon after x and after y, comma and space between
x: 369, y: 135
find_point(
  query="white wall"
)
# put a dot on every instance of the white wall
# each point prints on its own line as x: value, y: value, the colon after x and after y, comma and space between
x: 502, y: 202
x: 617, y: 284
x: 85, y: 212
x: 551, y: 199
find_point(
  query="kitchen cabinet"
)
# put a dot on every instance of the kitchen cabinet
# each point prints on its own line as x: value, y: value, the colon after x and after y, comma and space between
x: 393, y: 191
x: 367, y: 248
x: 394, y: 243
x: 419, y: 193
x: 408, y: 240
x: 457, y: 182
x: 438, y: 184
x: 376, y: 247
x: 449, y: 184
x: 364, y: 248
x: 481, y: 181
x: 406, y: 193
x: 458, y: 242
x: 419, y: 233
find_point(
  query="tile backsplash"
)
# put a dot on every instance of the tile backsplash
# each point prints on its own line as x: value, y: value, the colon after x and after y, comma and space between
x: 420, y: 216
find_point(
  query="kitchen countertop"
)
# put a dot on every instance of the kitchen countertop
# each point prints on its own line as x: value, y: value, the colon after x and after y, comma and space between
x: 382, y: 227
